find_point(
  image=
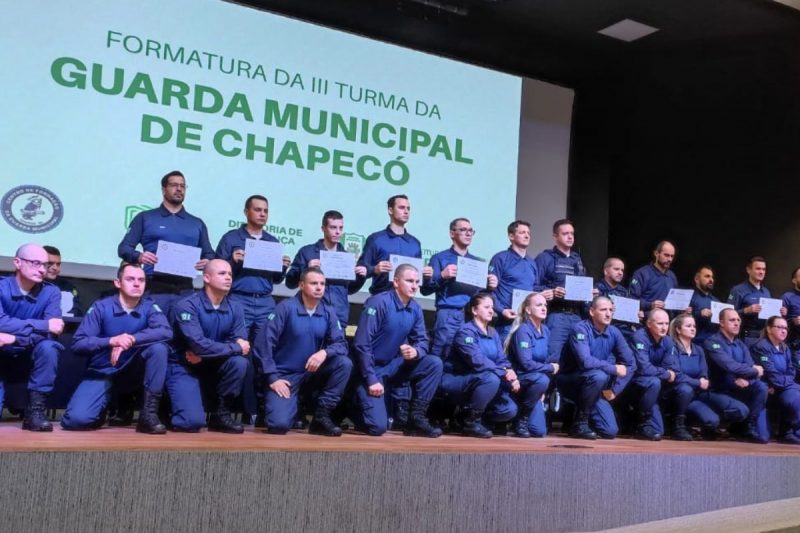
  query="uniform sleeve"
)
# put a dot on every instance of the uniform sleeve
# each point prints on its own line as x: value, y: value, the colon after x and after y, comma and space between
x: 722, y: 359
x: 127, y: 247
x: 538, y: 284
x: 544, y: 264
x: 157, y: 330
x: 265, y: 342
x: 205, y: 243
x: 580, y: 345
x: 776, y: 379
x: 369, y: 324
x: 299, y: 264
x: 701, y: 321
x: 335, y: 343
x: 622, y: 352
x: 418, y: 336
x: 496, y: 268
x: 87, y: 338
x: 187, y: 321
x: 636, y: 287
x: 641, y: 353
x: 368, y: 257
x: 521, y: 350
x: 436, y: 281
x: 736, y: 299
x: 468, y: 350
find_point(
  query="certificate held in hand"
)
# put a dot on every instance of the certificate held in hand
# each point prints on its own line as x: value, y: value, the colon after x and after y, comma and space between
x: 177, y: 259
x: 472, y: 272
x: 263, y: 255
x: 337, y: 265
x: 397, y: 260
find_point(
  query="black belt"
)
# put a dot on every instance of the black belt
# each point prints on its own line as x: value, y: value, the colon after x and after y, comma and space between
x: 253, y: 294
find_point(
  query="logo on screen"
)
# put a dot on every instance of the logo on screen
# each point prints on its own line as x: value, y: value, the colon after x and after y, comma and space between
x: 132, y: 210
x: 353, y: 243
x: 32, y: 209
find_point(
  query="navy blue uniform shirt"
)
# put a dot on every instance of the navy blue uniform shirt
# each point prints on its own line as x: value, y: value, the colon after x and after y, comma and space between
x: 475, y: 351
x: 779, y: 370
x: 654, y: 358
x: 693, y: 366
x: 744, y: 295
x: 205, y: 331
x: 513, y: 272
x: 379, y: 246
x: 27, y: 315
x: 589, y: 348
x: 247, y: 279
x: 450, y: 294
x: 650, y: 284
x: 528, y: 349
x: 728, y: 360
x: 700, y: 301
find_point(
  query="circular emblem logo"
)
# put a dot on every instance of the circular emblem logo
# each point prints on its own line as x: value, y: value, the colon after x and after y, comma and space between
x: 32, y: 209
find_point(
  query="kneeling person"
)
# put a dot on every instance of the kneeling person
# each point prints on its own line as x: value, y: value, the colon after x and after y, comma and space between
x: 125, y: 338
x: 210, y: 345
x: 302, y: 349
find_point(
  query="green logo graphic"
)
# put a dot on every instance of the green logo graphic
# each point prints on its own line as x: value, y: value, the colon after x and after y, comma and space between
x: 353, y: 243
x: 523, y: 344
x: 186, y: 317
x: 132, y: 210
x: 371, y: 311
x: 580, y: 336
x: 468, y: 340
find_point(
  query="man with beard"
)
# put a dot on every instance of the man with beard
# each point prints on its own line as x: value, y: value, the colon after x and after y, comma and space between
x: 745, y: 299
x: 611, y: 285
x: 701, y: 303
x: 651, y: 283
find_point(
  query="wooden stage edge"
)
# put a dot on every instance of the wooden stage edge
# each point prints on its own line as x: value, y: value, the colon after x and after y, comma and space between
x: 14, y: 439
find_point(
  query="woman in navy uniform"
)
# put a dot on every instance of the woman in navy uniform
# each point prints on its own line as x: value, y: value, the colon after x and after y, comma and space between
x: 478, y: 376
x: 527, y: 347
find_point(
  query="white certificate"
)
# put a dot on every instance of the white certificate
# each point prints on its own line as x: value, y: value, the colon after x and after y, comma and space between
x: 578, y: 288
x: 626, y: 309
x: 67, y: 303
x: 263, y: 255
x: 678, y: 299
x: 398, y: 260
x: 517, y: 297
x: 769, y: 307
x: 177, y: 259
x: 472, y: 272
x: 716, y: 307
x: 337, y: 265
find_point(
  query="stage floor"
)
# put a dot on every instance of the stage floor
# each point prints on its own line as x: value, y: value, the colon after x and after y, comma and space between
x: 14, y: 439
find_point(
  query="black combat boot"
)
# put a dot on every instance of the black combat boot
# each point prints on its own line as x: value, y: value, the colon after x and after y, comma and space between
x: 418, y: 424
x: 580, y: 428
x: 148, y: 417
x: 521, y: 423
x: 322, y: 424
x: 400, y: 419
x: 644, y: 430
x: 679, y: 431
x: 472, y: 426
x: 222, y: 420
x: 35, y: 416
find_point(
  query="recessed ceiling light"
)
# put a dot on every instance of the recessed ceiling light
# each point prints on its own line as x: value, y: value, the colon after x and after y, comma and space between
x: 628, y: 30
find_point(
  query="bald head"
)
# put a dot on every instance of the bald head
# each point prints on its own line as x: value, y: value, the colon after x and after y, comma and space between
x: 217, y: 277
x: 30, y: 263
x: 214, y: 265
x: 657, y: 323
x: 29, y: 250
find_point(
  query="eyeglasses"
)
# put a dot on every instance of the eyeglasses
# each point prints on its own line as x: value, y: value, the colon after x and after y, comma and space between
x: 177, y: 185
x: 779, y: 327
x: 36, y: 264
x: 466, y: 231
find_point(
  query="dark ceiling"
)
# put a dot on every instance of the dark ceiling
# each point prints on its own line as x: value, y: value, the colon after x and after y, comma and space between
x: 556, y: 40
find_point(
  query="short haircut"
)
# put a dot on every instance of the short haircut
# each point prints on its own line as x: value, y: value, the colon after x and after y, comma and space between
x: 561, y: 222
x: 249, y: 201
x: 512, y: 228
x: 703, y: 267
x: 724, y: 311
x: 661, y: 244
x: 331, y: 215
x: 52, y: 250
x: 756, y: 259
x: 455, y: 222
x: 124, y: 265
x: 597, y: 299
x: 310, y: 270
x: 653, y: 312
x: 612, y: 259
x: 168, y: 175
x: 794, y: 272
x: 390, y: 202
x: 398, y: 272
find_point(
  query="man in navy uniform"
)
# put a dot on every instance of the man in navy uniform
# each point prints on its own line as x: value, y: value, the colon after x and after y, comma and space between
x: 791, y: 301
x: 169, y: 222
x: 514, y: 269
x: 701, y: 303
x: 596, y: 367
x: 303, y: 349
x: 451, y: 296
x: 336, y: 290
x: 30, y: 311
x: 252, y: 289
x: 611, y: 285
x: 391, y: 351
x: 554, y: 266
x: 125, y: 338
x: 651, y: 283
x: 395, y: 239
x: 210, y: 345
x: 70, y: 301
x: 745, y: 299
x: 736, y: 387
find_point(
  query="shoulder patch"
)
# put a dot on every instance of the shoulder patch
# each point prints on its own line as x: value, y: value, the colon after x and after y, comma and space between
x: 469, y: 340
x: 89, y: 312
x: 157, y: 308
x: 74, y: 292
x: 715, y: 346
x: 186, y: 317
x: 271, y: 316
x: 764, y: 358
x: 524, y: 344
x: 639, y: 346
x: 371, y: 311
x: 339, y: 325
x: 634, y: 281
x: 580, y: 336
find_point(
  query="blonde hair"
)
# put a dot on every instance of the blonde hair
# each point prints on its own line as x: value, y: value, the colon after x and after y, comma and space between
x: 522, y: 317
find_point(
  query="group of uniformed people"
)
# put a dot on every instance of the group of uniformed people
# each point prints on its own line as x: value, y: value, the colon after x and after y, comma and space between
x: 488, y: 364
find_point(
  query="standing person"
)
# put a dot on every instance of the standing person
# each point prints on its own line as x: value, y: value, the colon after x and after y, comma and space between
x: 554, y: 266
x: 252, y: 289
x: 451, y: 296
x: 651, y: 283
x: 779, y: 373
x: 124, y: 337
x: 70, y: 302
x: 395, y: 239
x: 172, y: 223
x: 528, y: 348
x: 611, y: 285
x: 745, y: 299
x: 701, y: 303
x: 514, y: 269
x: 595, y: 369
x: 791, y: 301
x: 690, y: 392
x: 735, y: 379
x: 210, y: 345
x: 336, y: 290
x: 30, y: 313
x: 391, y: 351
x: 478, y: 376
x: 302, y: 349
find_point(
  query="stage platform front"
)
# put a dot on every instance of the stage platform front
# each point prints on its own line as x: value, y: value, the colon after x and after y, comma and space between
x: 118, y: 480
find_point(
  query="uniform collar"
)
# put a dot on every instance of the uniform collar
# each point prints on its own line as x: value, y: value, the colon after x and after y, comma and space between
x: 224, y: 306
x: 398, y: 303
x: 118, y: 310
x: 16, y: 291
x: 166, y: 212
x: 300, y: 306
x: 319, y: 246
x: 244, y: 234
x: 392, y: 234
